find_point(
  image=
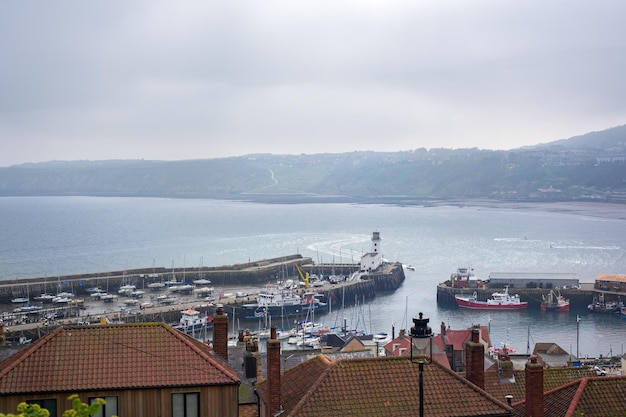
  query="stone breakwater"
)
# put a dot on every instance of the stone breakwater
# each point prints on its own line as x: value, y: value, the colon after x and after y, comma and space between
x: 386, y: 278
x: 579, y: 298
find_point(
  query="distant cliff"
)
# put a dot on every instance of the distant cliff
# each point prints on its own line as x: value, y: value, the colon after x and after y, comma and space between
x: 590, y: 168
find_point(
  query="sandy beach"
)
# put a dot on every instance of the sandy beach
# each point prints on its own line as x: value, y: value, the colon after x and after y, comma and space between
x: 603, y: 210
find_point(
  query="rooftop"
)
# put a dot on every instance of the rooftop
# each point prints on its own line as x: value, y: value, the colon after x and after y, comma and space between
x: 112, y: 357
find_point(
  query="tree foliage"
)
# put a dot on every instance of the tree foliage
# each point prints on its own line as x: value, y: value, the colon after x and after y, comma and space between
x: 79, y: 409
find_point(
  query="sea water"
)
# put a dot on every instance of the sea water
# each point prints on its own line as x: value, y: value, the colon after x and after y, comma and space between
x: 56, y: 236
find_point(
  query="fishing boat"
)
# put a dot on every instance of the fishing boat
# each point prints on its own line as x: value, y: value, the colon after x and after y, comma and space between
x: 191, y: 321
x: 504, y: 349
x: 599, y: 305
x: 282, y: 302
x: 497, y: 301
x: 554, y: 302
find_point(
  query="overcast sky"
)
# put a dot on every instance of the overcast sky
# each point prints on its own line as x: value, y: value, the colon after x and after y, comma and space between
x: 204, y: 79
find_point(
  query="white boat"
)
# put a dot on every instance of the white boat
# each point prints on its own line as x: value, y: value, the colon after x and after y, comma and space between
x: 126, y: 289
x: 137, y: 294
x: 45, y: 297
x: 203, y: 291
x: 381, y: 338
x: 108, y: 298
x: 202, y: 281
x: 184, y: 288
x: 155, y: 286
x: 312, y: 342
x: 63, y: 298
x: 20, y: 300
x: 191, y: 321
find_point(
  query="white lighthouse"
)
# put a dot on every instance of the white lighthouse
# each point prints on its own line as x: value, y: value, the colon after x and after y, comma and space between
x: 372, y: 260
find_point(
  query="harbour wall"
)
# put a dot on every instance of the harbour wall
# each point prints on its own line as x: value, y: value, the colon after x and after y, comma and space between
x: 255, y: 273
x: 579, y: 298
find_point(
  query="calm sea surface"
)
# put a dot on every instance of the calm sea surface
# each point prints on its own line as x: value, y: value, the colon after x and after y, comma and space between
x: 52, y: 236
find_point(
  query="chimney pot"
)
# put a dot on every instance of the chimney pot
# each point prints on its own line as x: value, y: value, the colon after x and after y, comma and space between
x: 273, y: 374
x: 534, y: 388
x: 475, y: 360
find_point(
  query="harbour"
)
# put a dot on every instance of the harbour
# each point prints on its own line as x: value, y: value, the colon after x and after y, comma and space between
x: 121, y: 302
x: 55, y: 238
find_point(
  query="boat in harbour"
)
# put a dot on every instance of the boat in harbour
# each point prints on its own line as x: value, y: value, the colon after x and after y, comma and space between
x: 599, y: 305
x: 192, y: 321
x: 497, y: 301
x: 284, y: 302
x: 554, y: 302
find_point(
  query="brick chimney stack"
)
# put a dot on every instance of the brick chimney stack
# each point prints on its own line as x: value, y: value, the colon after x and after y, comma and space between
x: 475, y: 359
x: 506, y: 366
x: 534, y: 388
x: 220, y: 332
x: 273, y: 374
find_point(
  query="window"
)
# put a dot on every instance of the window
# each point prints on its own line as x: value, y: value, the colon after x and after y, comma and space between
x: 186, y: 404
x: 107, y: 410
x: 50, y: 405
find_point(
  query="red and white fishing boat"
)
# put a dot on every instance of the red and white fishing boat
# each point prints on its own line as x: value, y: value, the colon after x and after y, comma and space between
x: 497, y: 301
x: 554, y: 302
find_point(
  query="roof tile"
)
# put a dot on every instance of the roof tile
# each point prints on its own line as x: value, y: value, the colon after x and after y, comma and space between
x: 112, y: 357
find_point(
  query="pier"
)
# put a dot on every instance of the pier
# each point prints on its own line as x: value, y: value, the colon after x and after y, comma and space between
x: 226, y: 281
x: 579, y: 298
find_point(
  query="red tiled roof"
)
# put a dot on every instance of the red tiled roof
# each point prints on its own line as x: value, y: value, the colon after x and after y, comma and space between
x: 611, y: 277
x: 458, y: 338
x: 591, y: 397
x: 552, y: 378
x: 113, y: 357
x: 386, y: 386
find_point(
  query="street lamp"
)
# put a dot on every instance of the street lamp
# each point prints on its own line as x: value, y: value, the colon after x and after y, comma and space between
x: 421, y: 331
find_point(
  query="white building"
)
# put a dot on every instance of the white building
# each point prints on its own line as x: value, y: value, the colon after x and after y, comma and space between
x: 372, y: 260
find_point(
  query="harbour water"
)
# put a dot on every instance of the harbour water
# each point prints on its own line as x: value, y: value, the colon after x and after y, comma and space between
x: 56, y: 236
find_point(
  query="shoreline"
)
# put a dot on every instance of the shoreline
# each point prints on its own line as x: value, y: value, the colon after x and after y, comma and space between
x: 601, y: 210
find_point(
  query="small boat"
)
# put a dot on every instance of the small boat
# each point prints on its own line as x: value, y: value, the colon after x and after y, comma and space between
x: 20, y: 300
x: 410, y: 267
x: 202, y: 281
x: 203, y: 291
x: 280, y: 302
x: 108, y: 298
x: 28, y: 309
x: 155, y: 286
x: 137, y: 294
x: 183, y: 288
x: 382, y: 338
x: 45, y: 297
x: 599, y: 305
x: 554, y: 302
x: 126, y: 289
x: 63, y: 298
x: 497, y: 301
x: 192, y: 321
